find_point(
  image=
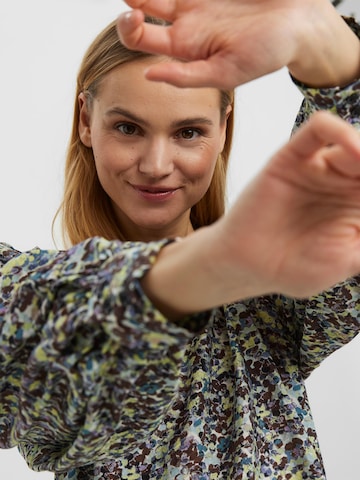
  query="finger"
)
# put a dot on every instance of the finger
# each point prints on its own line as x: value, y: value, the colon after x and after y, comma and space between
x: 164, y: 9
x: 130, y: 27
x: 343, y: 162
x: 134, y: 33
x: 197, y: 73
x: 321, y: 130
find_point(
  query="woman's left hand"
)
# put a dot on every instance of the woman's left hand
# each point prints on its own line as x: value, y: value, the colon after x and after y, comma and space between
x: 299, y: 220
x: 294, y: 230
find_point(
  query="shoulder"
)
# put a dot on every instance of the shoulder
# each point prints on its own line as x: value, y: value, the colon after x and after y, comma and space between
x: 7, y: 252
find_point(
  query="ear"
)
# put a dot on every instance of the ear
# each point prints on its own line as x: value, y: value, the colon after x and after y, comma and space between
x: 84, y: 121
x: 223, y: 126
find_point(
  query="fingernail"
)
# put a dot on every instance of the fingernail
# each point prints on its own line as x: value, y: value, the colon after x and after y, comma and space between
x: 127, y: 16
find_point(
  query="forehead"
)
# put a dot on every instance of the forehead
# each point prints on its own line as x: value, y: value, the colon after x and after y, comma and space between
x: 127, y: 83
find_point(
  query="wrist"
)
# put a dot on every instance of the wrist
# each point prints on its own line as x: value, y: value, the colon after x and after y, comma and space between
x: 197, y: 274
x: 331, y: 56
x: 183, y: 273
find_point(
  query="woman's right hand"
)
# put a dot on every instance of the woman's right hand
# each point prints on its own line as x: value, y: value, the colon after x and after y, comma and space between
x: 229, y: 43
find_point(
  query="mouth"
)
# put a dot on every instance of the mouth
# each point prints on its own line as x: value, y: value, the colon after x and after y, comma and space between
x: 155, y: 193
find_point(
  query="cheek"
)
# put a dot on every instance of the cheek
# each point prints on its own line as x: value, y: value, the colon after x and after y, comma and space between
x: 201, y: 165
x: 112, y: 160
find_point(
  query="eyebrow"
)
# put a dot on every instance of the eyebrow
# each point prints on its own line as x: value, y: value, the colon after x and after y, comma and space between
x: 176, y: 124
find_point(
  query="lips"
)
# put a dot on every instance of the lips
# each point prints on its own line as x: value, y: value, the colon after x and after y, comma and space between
x: 155, y: 193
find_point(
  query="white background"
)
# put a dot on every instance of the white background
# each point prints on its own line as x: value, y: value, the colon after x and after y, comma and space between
x: 41, y: 45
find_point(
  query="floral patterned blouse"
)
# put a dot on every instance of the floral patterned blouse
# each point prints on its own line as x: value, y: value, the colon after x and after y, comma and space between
x: 97, y: 384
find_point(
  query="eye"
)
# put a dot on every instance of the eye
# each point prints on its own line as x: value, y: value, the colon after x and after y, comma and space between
x: 189, y: 133
x: 127, y: 129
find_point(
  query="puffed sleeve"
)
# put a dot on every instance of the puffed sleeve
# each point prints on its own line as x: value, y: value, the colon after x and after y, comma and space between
x: 331, y: 319
x: 84, y: 355
x: 314, y: 328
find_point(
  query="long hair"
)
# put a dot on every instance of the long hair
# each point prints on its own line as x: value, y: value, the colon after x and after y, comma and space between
x: 86, y: 209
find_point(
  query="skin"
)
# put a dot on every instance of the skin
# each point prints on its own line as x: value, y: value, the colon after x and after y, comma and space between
x: 245, y: 39
x: 304, y: 207
x: 294, y: 230
x: 155, y: 149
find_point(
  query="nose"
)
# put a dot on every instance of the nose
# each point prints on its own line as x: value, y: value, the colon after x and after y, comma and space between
x: 157, y: 158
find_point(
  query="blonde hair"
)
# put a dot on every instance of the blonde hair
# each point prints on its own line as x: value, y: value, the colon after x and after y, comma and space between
x: 86, y: 209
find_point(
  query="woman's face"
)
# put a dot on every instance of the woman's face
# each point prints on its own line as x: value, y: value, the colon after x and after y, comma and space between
x: 155, y: 148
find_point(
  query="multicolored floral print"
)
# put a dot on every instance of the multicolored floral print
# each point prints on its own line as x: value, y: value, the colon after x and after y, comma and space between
x: 96, y: 384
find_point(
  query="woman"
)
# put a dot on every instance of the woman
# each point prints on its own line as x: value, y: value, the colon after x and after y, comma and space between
x: 137, y: 359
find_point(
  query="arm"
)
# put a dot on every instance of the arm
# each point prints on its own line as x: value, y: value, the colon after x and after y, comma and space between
x: 300, y: 211
x: 80, y: 346
x: 327, y: 322
x: 244, y: 39
x: 341, y: 101
x: 78, y: 337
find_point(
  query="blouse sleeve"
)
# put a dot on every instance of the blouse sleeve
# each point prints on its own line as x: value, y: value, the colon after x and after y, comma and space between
x: 83, y: 352
x: 330, y: 320
x: 327, y: 322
